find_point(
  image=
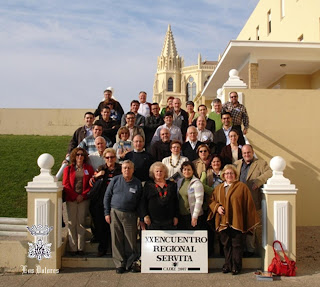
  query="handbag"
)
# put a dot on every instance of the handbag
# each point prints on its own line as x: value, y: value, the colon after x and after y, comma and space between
x: 284, y: 267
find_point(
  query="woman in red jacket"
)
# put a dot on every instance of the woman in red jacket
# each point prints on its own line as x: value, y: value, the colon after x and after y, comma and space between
x: 76, y: 185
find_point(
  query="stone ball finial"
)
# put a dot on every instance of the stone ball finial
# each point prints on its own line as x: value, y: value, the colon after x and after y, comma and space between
x: 219, y: 92
x: 45, y: 161
x: 277, y: 163
x: 233, y: 73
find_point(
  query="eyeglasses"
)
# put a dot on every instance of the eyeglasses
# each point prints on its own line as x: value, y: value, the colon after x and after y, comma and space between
x: 203, y: 151
x: 109, y: 157
x: 80, y: 154
x: 229, y: 173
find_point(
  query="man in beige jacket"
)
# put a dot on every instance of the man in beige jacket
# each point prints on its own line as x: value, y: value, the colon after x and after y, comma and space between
x: 253, y: 172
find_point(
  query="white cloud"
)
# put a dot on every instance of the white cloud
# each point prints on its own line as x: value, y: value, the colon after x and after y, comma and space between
x: 64, y: 54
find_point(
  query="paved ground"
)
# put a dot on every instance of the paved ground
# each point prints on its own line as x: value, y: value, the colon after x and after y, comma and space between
x: 308, y: 251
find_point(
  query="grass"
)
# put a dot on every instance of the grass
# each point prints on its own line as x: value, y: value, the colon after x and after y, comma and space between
x: 18, y: 166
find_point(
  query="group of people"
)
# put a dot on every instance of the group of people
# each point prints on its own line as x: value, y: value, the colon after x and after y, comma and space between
x: 164, y: 170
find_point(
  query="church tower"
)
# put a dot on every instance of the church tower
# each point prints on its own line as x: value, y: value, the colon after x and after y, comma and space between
x: 168, y: 77
x: 173, y: 79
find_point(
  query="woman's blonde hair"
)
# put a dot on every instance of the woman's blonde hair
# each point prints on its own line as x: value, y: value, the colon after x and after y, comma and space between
x: 158, y: 164
x: 226, y: 167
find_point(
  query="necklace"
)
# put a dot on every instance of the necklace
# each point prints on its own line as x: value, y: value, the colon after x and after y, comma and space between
x: 162, y: 191
x: 78, y: 168
x: 170, y: 161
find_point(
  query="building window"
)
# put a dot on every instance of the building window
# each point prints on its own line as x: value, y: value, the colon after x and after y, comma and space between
x: 189, y: 92
x: 257, y: 33
x: 282, y: 9
x: 194, y: 90
x: 170, y: 85
x: 300, y: 38
x: 269, y: 21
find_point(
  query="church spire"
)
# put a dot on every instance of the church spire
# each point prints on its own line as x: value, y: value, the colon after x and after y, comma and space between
x: 169, y: 47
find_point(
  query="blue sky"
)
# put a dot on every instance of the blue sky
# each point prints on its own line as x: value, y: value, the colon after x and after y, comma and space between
x: 63, y: 54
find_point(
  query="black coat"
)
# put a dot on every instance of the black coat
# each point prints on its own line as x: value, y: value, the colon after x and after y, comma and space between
x: 190, y: 153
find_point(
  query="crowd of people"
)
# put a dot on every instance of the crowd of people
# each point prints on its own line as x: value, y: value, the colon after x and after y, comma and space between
x: 164, y: 170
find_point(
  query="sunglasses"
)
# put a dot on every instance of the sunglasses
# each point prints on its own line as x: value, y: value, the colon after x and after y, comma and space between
x: 109, y: 157
x: 80, y: 154
x: 203, y: 151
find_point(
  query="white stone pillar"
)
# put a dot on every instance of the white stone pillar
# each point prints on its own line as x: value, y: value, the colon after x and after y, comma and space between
x: 232, y: 84
x: 278, y: 212
x: 45, y: 209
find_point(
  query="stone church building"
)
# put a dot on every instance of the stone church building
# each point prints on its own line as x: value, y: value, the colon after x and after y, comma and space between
x: 174, y: 79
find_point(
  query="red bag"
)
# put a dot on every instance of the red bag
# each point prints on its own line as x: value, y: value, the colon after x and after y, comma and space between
x: 286, y: 267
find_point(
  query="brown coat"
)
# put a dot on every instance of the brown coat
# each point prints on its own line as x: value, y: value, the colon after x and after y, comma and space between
x: 240, y: 212
x: 258, y: 173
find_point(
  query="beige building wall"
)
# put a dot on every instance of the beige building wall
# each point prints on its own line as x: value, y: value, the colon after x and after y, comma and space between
x: 315, y: 80
x: 53, y: 122
x: 290, y: 19
x: 281, y: 123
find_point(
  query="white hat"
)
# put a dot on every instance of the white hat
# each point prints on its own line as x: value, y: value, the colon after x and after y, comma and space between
x: 110, y: 89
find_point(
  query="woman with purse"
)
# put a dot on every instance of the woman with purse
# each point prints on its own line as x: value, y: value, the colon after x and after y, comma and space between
x: 99, y: 183
x: 76, y: 178
x: 234, y: 214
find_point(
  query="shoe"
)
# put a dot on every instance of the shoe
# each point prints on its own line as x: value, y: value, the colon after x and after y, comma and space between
x: 120, y: 270
x: 235, y: 272
x: 80, y: 253
x: 225, y: 270
x: 135, y: 268
x: 101, y: 253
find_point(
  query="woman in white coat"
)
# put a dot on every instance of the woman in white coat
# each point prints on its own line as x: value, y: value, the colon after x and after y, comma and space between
x: 190, y: 193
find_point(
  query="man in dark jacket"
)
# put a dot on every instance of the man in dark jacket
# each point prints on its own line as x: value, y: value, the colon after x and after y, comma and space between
x: 161, y: 149
x: 142, y: 160
x: 152, y: 123
x: 82, y: 132
x: 220, y: 138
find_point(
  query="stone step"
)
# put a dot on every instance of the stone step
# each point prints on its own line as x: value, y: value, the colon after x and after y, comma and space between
x: 89, y: 260
x: 13, y: 227
x: 89, y: 247
x: 13, y: 233
x: 11, y: 220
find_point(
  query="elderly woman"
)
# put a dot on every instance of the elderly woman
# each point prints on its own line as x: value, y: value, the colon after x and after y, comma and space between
x: 123, y: 145
x: 76, y: 178
x: 232, y: 152
x: 235, y: 214
x: 175, y: 160
x: 102, y: 178
x: 159, y: 206
x: 191, y: 194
